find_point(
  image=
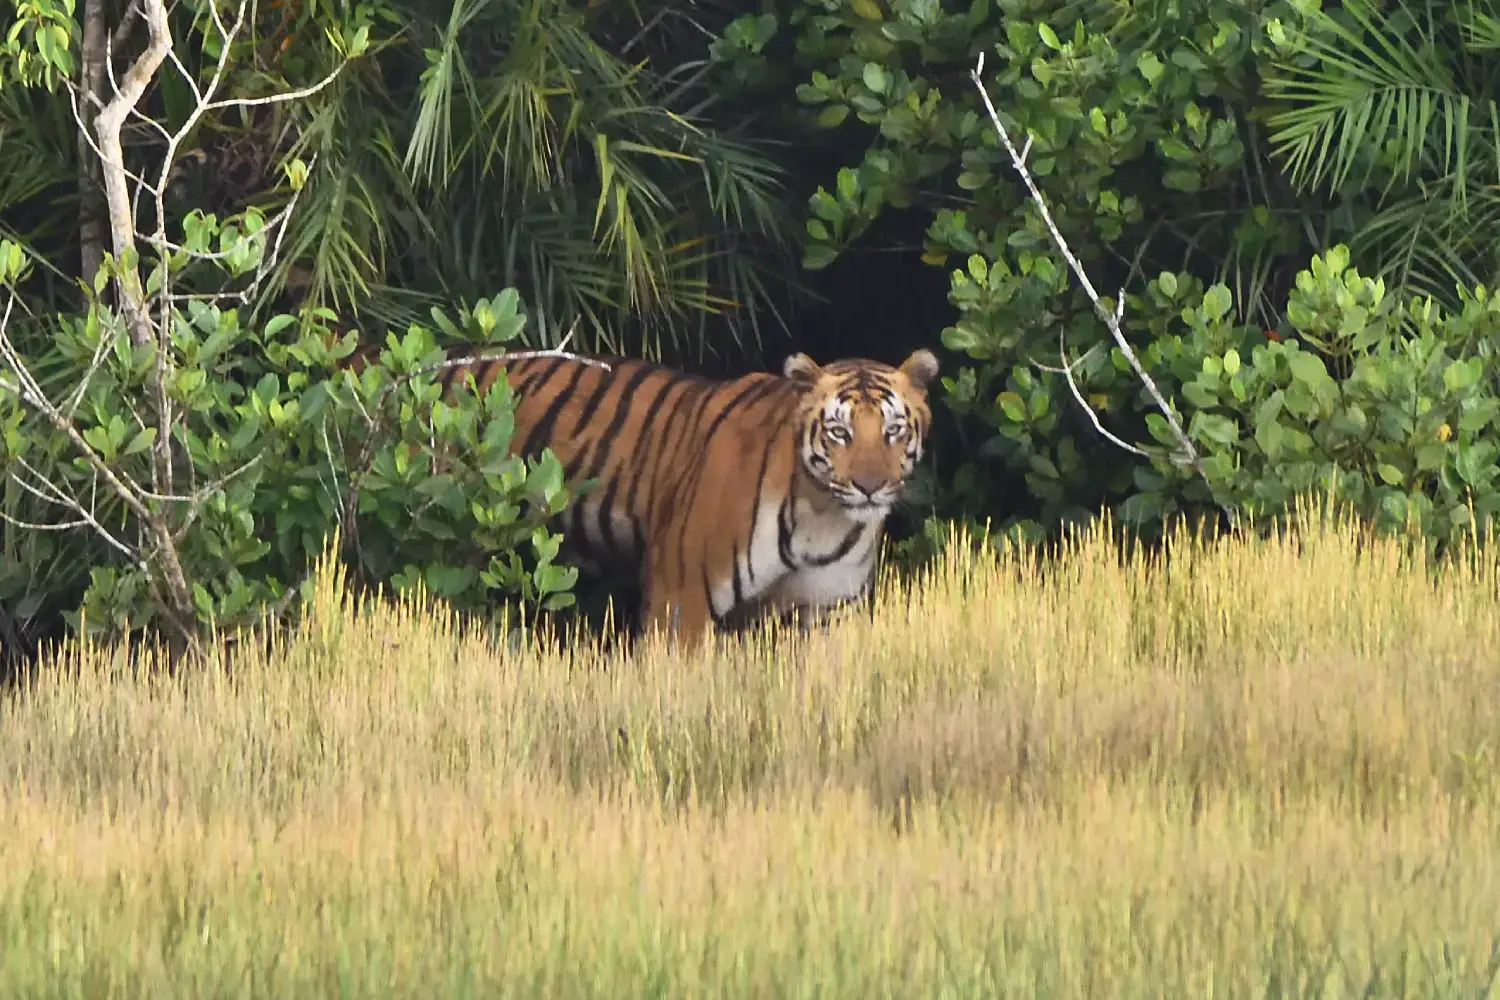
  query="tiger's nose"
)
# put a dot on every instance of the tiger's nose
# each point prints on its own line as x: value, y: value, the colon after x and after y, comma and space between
x: 868, y: 485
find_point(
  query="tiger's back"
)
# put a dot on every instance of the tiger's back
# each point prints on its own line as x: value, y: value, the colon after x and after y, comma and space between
x: 638, y: 430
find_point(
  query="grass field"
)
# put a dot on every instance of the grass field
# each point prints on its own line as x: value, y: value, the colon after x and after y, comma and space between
x: 1268, y: 770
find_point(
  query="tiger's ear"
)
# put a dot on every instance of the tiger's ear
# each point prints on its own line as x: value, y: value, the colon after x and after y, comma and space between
x: 920, y: 368
x: 802, y: 370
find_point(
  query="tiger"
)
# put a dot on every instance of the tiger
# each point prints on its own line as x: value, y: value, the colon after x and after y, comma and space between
x: 763, y: 494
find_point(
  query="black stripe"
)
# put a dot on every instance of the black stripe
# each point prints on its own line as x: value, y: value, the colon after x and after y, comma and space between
x: 747, y: 396
x: 541, y: 431
x: 600, y: 452
x: 617, y: 420
x: 530, y: 382
x: 653, y: 448
x: 667, y: 443
x: 605, y: 381
x: 844, y: 548
x: 786, y: 523
x: 690, y: 428
x: 572, y: 465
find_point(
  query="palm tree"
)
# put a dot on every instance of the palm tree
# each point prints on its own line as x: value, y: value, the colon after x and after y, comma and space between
x: 1391, y: 108
x: 572, y: 150
x: 577, y: 150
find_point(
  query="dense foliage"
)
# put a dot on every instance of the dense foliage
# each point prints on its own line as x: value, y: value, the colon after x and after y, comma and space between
x: 574, y: 151
x: 281, y: 448
x: 1296, y: 202
x: 1196, y: 155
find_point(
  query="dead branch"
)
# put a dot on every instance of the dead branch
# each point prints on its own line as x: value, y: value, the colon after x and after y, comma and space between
x: 154, y: 508
x: 179, y: 605
x: 1066, y: 371
x: 107, y: 126
x: 1187, y: 454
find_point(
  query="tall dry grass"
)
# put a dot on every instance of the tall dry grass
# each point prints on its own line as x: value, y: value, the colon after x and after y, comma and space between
x: 1253, y: 768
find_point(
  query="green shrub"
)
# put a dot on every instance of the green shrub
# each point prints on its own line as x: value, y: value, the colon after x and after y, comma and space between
x: 274, y: 446
x: 1143, y: 130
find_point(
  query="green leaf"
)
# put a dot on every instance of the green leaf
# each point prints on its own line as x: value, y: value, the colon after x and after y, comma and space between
x: 1141, y: 509
x: 1432, y: 456
x: 1217, y: 428
x: 1200, y: 395
x: 960, y: 339
x: 848, y: 184
x: 833, y: 115
x: 1012, y: 406
x: 1181, y: 179
x: 1460, y: 375
x: 1269, y: 435
x: 874, y: 77
x: 142, y: 440
x: 1217, y: 302
x: 203, y: 602
x: 1048, y: 36
x: 1307, y: 368
x: 818, y: 256
x: 1149, y: 66
x: 1160, y: 430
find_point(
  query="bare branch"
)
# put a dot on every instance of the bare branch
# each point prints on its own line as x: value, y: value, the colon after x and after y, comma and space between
x: 54, y: 494
x: 107, y: 127
x: 1067, y: 371
x: 179, y: 607
x: 1187, y: 454
x: 34, y: 526
x: 291, y: 95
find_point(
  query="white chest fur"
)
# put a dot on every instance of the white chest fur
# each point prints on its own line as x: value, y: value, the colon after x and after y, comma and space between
x: 802, y: 557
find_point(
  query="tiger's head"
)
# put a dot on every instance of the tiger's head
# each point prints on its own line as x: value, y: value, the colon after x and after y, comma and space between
x: 861, y: 426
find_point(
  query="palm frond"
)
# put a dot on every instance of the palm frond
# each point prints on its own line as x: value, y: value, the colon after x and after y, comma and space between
x: 1407, y: 96
x: 430, y: 153
x: 1376, y: 97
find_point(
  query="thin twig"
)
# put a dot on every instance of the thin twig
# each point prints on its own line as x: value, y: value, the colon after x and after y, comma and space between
x: 198, y: 499
x: 1188, y: 455
x: 54, y: 494
x: 180, y: 603
x: 1093, y: 415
